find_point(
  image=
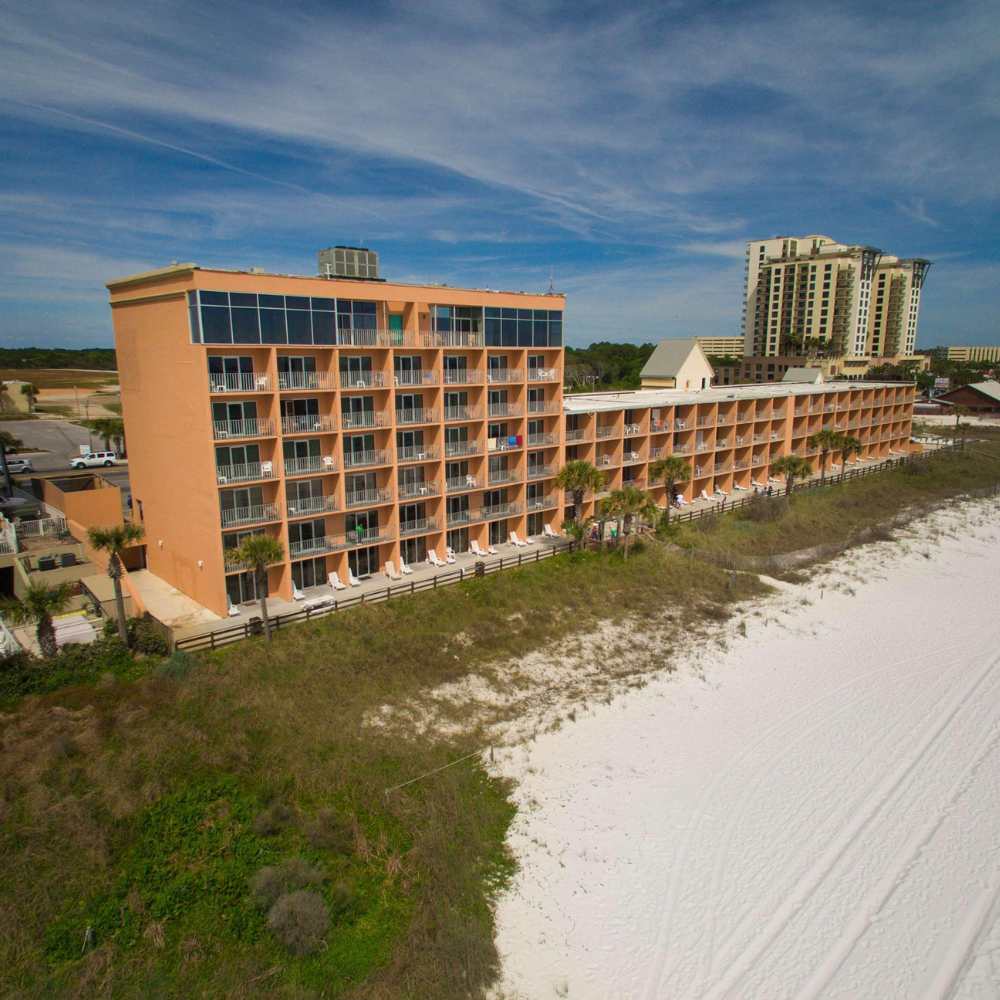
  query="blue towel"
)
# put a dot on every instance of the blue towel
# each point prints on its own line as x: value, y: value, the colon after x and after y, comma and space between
x: 512, y: 441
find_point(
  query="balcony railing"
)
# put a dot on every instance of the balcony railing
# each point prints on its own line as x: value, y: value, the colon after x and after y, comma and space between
x: 456, y: 449
x: 357, y: 459
x: 428, y: 488
x: 416, y: 453
x: 309, y: 546
x: 239, y: 382
x: 299, y: 424
x: 609, y: 430
x: 541, y: 440
x: 706, y: 421
x: 362, y: 536
x: 297, y: 381
x: 503, y: 444
x: 632, y: 458
x: 680, y: 424
x: 462, y: 413
x: 418, y: 526
x: 303, y: 506
x: 245, y: 471
x: 252, y: 427
x: 504, y: 410
x: 758, y: 460
x: 575, y: 434
x: 363, y: 498
x: 606, y: 460
x: 745, y: 416
x: 497, y: 477
x: 415, y: 377
x: 458, y: 484
x: 463, y: 516
x: 366, y: 418
x: 702, y: 445
x: 543, y: 374
x: 362, y: 380
x: 462, y: 376
x: 500, y: 510
x: 540, y: 471
x: 658, y: 426
x: 541, y: 503
x: 309, y: 463
x: 419, y: 415
x: 233, y: 516
x: 542, y: 406
x: 498, y: 376
x: 655, y: 453
x: 726, y: 420
x: 683, y: 449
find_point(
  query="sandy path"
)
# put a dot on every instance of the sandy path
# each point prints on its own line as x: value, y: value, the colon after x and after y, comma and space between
x: 819, y: 817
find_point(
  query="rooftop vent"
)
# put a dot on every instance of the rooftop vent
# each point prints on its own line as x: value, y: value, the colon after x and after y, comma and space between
x: 348, y: 262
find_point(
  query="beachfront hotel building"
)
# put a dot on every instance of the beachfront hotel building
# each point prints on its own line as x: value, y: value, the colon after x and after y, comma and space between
x: 809, y: 293
x: 364, y: 422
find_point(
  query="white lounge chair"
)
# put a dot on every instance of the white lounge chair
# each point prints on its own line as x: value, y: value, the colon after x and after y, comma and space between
x: 297, y: 594
x: 234, y: 612
x: 449, y: 555
x: 352, y: 579
x: 404, y: 569
x: 432, y: 558
x: 515, y: 541
x: 549, y: 532
x: 742, y: 489
x: 336, y: 582
x: 681, y: 502
x: 491, y: 550
x: 475, y: 549
x: 704, y: 495
x: 721, y: 492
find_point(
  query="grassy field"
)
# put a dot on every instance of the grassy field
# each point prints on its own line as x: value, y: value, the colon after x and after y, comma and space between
x: 829, y: 516
x: 59, y: 378
x: 142, y: 810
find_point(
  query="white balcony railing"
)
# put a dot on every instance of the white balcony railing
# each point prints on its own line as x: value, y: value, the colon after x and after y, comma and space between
x: 462, y: 413
x: 416, y: 416
x: 499, y: 376
x: 456, y: 449
x: 239, y: 382
x: 361, y: 498
x: 541, y: 440
x: 456, y: 484
x: 296, y: 466
x: 243, y: 472
x: 416, y: 453
x: 415, y: 377
x: 428, y: 488
x: 462, y: 376
x: 251, y: 427
x: 417, y: 526
x: 504, y: 410
x: 232, y: 516
x: 540, y: 471
x: 297, y: 381
x: 299, y: 424
x: 362, y: 380
x: 302, y: 506
x: 365, y: 418
x: 356, y: 459
x: 308, y: 546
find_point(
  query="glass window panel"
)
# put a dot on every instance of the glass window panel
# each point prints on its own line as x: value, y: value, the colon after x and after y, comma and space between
x: 299, y: 327
x: 523, y: 334
x: 509, y: 334
x: 555, y: 315
x: 272, y: 302
x: 492, y: 313
x: 540, y: 334
x: 272, y: 326
x: 215, y: 298
x: 365, y: 308
x: 245, y: 328
x: 524, y: 314
x: 555, y: 334
x: 324, y: 329
x: 324, y: 305
x: 508, y: 313
x: 215, y: 325
x: 248, y: 299
x: 296, y: 302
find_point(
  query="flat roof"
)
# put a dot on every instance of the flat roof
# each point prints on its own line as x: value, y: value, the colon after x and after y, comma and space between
x: 588, y: 402
x: 176, y: 270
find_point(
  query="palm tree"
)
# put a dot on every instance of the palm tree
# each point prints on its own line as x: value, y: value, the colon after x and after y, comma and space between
x: 826, y: 441
x: 672, y: 470
x: 792, y: 467
x: 30, y: 390
x: 577, y: 477
x: 105, y: 428
x: 848, y: 446
x: 39, y: 604
x: 628, y: 503
x: 114, y: 541
x: 259, y: 552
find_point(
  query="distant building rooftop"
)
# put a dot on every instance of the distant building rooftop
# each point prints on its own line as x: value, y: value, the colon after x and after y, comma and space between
x: 807, y: 375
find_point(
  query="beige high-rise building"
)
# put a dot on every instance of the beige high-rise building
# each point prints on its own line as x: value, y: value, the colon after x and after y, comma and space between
x: 810, y: 295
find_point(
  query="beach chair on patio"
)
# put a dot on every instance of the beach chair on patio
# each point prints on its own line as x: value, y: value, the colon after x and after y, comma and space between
x: 234, y: 612
x: 297, y: 594
x: 475, y: 549
x: 449, y: 555
x: 390, y: 571
x: 404, y: 569
x: 336, y: 582
x: 515, y: 541
x: 352, y: 579
x: 704, y: 495
x: 549, y: 533
x: 432, y: 558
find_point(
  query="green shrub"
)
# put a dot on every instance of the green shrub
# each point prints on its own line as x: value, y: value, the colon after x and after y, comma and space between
x: 328, y: 832
x: 143, y: 635
x: 299, y: 920
x: 272, y: 820
x: 177, y: 666
x: 275, y: 881
x: 762, y: 509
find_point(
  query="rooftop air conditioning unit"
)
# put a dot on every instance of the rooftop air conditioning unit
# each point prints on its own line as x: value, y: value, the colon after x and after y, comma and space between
x: 348, y: 262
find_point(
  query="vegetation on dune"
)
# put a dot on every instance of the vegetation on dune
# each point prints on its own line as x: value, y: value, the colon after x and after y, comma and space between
x: 102, y: 358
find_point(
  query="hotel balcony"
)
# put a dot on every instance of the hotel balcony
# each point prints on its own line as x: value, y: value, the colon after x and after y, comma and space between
x: 500, y: 376
x: 576, y: 434
x: 541, y: 440
x: 462, y: 413
x: 416, y: 453
x: 310, y: 546
x: 420, y: 415
x: 456, y: 449
x: 370, y: 536
x: 360, y: 459
x: 366, y: 418
x: 541, y: 503
x: 462, y: 484
x: 416, y: 377
x: 503, y: 444
x: 299, y: 381
x: 367, y: 498
x: 225, y: 429
x: 463, y: 376
x: 543, y: 406
x: 259, y: 514
x: 244, y: 472
x: 239, y: 382
x: 543, y: 374
x: 311, y: 506
x: 541, y: 471
x: 659, y: 426
x: 632, y: 458
x: 307, y: 425
x: 409, y: 491
x: 706, y: 421
x: 504, y: 410
x: 362, y: 380
x: 683, y: 449
x: 308, y: 464
x: 417, y: 527
x: 500, y: 477
x: 609, y: 430
x: 489, y: 512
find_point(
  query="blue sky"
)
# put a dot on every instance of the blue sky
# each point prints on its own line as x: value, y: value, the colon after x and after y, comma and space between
x: 629, y: 150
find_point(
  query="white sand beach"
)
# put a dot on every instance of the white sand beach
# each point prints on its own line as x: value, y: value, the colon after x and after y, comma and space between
x: 811, y: 811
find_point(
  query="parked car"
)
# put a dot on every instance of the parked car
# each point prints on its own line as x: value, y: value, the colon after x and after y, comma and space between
x: 94, y: 458
x: 18, y: 465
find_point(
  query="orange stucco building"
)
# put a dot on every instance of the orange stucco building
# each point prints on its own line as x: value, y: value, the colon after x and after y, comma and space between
x: 363, y: 422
